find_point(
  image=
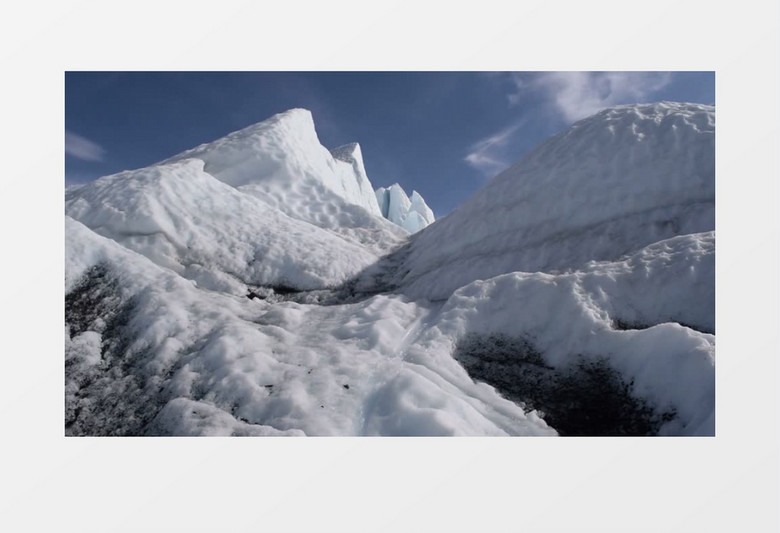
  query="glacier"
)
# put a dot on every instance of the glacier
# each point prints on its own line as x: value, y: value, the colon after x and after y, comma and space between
x: 412, y: 214
x: 612, y: 183
x: 284, y: 158
x: 258, y: 285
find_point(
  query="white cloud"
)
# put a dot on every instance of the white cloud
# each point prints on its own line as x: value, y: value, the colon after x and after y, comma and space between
x: 571, y: 96
x: 576, y: 95
x: 484, y: 154
x: 81, y: 148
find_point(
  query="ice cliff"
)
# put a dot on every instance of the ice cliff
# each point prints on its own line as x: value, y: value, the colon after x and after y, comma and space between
x: 412, y: 214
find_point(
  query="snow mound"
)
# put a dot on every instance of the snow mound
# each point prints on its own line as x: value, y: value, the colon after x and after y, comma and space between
x: 281, y: 162
x: 411, y: 214
x: 150, y: 353
x: 184, y: 219
x: 182, y: 417
x: 282, y: 153
x: 609, y: 185
x: 635, y: 317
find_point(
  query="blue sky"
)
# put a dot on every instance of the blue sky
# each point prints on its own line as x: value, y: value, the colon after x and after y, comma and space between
x: 443, y: 134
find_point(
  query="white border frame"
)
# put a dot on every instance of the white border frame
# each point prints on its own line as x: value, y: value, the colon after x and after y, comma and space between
x: 725, y: 483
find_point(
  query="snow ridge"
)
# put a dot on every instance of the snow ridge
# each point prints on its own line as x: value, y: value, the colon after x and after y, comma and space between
x: 182, y: 218
x: 282, y: 160
x: 612, y: 183
x: 352, y: 154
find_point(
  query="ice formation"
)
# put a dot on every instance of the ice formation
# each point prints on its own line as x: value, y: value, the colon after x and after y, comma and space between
x: 282, y: 155
x: 411, y: 214
x: 612, y: 183
x: 255, y: 286
x: 281, y: 162
x: 267, y: 205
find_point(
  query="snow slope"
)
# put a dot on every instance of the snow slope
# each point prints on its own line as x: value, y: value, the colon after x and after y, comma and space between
x: 283, y: 155
x: 197, y: 362
x: 624, y: 178
x: 411, y: 214
x: 267, y: 205
x: 626, y: 313
x: 161, y: 338
x: 184, y: 219
x: 148, y: 352
x: 281, y: 162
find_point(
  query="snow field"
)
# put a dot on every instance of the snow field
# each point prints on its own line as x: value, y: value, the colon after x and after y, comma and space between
x: 216, y: 364
x: 597, y: 248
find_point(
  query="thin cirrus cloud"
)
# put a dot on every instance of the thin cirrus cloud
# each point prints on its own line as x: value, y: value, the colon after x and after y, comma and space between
x: 484, y: 155
x: 82, y: 148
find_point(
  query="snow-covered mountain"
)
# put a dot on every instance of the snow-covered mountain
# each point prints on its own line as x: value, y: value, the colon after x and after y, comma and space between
x: 281, y: 162
x: 246, y: 210
x: 412, y: 214
x: 283, y: 158
x: 253, y: 286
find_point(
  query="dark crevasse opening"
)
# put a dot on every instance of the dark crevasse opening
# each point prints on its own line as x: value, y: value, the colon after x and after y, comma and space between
x: 625, y: 325
x: 586, y: 398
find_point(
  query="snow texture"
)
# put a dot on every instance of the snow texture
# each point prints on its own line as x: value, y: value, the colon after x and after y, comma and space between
x: 624, y: 178
x: 281, y: 162
x: 411, y: 214
x: 581, y: 280
x: 638, y: 314
x: 148, y: 352
x: 282, y: 155
x: 184, y: 219
x: 267, y: 205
